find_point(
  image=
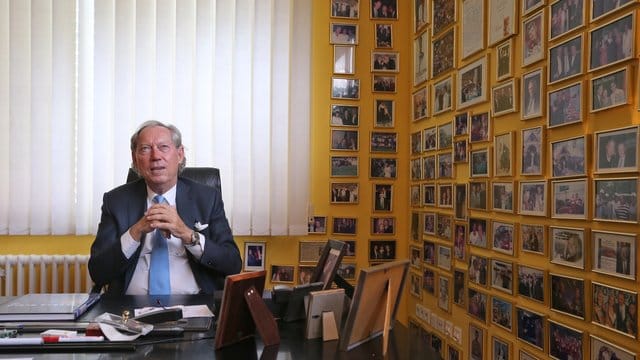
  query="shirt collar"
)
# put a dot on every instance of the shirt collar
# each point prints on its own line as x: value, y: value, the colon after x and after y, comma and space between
x: 170, y: 195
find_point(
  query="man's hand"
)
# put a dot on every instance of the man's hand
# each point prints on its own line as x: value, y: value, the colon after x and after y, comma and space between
x: 165, y: 218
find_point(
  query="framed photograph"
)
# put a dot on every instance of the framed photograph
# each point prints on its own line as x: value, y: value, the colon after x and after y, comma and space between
x: 420, y: 104
x: 442, y: 91
x: 384, y: 142
x: 254, y: 256
x: 383, y: 168
x: 504, y: 64
x: 611, y: 309
x: 479, y: 163
x: 502, y: 20
x: 416, y: 226
x: 453, y: 353
x: 533, y: 198
x: 478, y: 270
x: 416, y: 285
x: 460, y: 241
x: 609, y: 90
x: 344, y: 226
x: 567, y: 295
x: 616, y: 199
x: 420, y: 14
x: 503, y: 236
x: 429, y: 252
x: 310, y: 251
x: 531, y: 283
x: 605, y: 49
x: 345, y: 115
x: 502, y: 196
x: 444, y: 257
x: 348, y: 9
x: 476, y: 342
x: 344, y: 193
x: 565, y: 59
x: 420, y: 61
x: 570, y: 199
x: 617, y: 150
x: 316, y: 225
x: 569, y: 157
x: 445, y: 136
x: 344, y: 166
x: 480, y: 128
x: 416, y: 257
x: 304, y: 274
x: 282, y: 274
x: 344, y: 140
x: 478, y: 232
x: 430, y: 136
x: 384, y: 83
x: 459, y: 287
x: 502, y: 275
x: 502, y: 313
x: 567, y: 246
x: 429, y: 195
x: 344, y: 34
x: 346, y: 270
x: 531, y: 327
x: 460, y: 151
x: 416, y: 169
x: 429, y: 281
x: 383, y: 197
x: 460, y: 212
x: 344, y: 59
x: 526, y: 356
x: 472, y: 19
x: 416, y: 196
x: 564, y: 106
x: 564, y: 342
x: 614, y: 254
x: 442, y: 16
x: 461, y: 124
x: 385, y: 61
x: 601, y: 8
x: 504, y: 98
x: 445, y: 195
x: 533, y: 39
x: 601, y: 349
x: 529, y: 6
x: 384, y: 9
x: 445, y: 166
x: 566, y: 16
x: 429, y: 167
x: 501, y: 348
x: 531, y: 98
x: 444, y: 229
x: 416, y: 143
x: 342, y: 88
x: 503, y: 159
x: 382, y: 250
x: 531, y: 156
x: 437, y: 344
x: 471, y: 83
x: 477, y: 304
x: 533, y: 238
x: 350, y: 248
x: 384, y: 36
x: 443, y: 53
x: 385, y: 116
x: 478, y: 195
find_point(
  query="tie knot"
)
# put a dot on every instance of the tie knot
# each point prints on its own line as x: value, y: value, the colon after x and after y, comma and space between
x: 159, y: 199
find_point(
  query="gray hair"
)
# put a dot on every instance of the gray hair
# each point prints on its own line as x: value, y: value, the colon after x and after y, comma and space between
x: 176, y: 138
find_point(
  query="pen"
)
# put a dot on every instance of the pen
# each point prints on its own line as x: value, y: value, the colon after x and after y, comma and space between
x: 72, y: 339
x: 21, y: 341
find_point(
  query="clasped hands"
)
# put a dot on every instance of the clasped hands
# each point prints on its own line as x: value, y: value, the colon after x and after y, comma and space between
x: 165, y: 218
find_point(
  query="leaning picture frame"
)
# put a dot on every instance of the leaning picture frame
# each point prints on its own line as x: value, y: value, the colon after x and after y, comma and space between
x: 568, y: 246
x: 502, y: 20
x: 471, y: 83
x: 471, y: 19
x: 532, y: 198
x: 616, y: 150
x: 610, y: 90
x: 616, y: 199
x: 604, y: 52
x: 504, y: 98
x: 533, y: 38
x: 532, y: 153
x: 570, y: 199
x: 569, y: 157
x: 614, y: 254
x: 564, y: 105
x: 503, y: 154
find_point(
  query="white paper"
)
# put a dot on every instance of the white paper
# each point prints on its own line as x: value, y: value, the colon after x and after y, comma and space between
x: 188, y: 311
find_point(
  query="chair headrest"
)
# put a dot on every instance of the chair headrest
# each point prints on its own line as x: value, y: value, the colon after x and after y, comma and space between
x: 204, y: 175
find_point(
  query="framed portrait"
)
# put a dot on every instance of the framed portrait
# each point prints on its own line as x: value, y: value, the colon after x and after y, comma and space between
x: 445, y: 136
x: 342, y: 88
x: 601, y: 8
x: 444, y: 257
x: 347, y: 9
x: 416, y: 169
x: 567, y: 295
x: 416, y: 196
x: 478, y: 232
x: 478, y: 195
x: 531, y: 283
x: 385, y: 61
x: 504, y: 64
x: 429, y: 221
x: 420, y: 60
x: 569, y: 157
x: 460, y: 151
x: 602, y: 348
x: 255, y: 255
x: 531, y: 155
x: 502, y: 275
x: 531, y: 328
x: 533, y: 238
x: 416, y: 226
x: 616, y: 199
x: 344, y: 225
x: 344, y: 34
x: 350, y: 248
x: 385, y: 113
x: 416, y: 285
x: 570, y: 199
x: 443, y: 15
x: 531, y: 98
x: 504, y: 98
x: 416, y: 143
x: 384, y: 83
x: 614, y: 254
x: 477, y: 304
x: 503, y: 154
x: 502, y: 20
x: 344, y: 140
x: 380, y: 250
x: 282, y: 274
x: 429, y: 167
x: 460, y: 207
x: 344, y: 193
x: 310, y: 251
x: 344, y: 59
x: 503, y: 238
x: 416, y: 257
x: 316, y: 225
x: 564, y: 105
x: 502, y: 313
x: 429, y: 281
x: 384, y: 142
x: 478, y: 267
x: 533, y: 39
x: 480, y: 128
x: 345, y: 115
x: 471, y: 83
x: 603, y: 297
x: 384, y: 9
x: 383, y: 197
x: 565, y: 17
x: 346, y: 270
x: 384, y: 36
x: 344, y: 166
x: 430, y: 136
x: 444, y: 226
x: 445, y: 165
x: 472, y: 19
x: 460, y: 241
x: 459, y: 281
x: 565, y: 342
x: 461, y: 124
x: 567, y: 246
x: 445, y: 195
x: 617, y: 150
x: 502, y: 195
x: 429, y: 195
x: 304, y: 274
x: 476, y: 342
x: 533, y: 198
x: 604, y: 50
x: 420, y: 14
x: 442, y: 91
x: 479, y: 163
x: 443, y: 53
x: 383, y: 168
x: 501, y: 349
x: 529, y: 6
x: 419, y: 104
x: 565, y: 59
x: 609, y: 90
x: 429, y: 252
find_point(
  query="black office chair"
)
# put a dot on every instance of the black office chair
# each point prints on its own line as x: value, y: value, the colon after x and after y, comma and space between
x: 204, y: 175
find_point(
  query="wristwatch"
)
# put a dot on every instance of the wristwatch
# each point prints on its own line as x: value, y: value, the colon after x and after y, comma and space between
x: 195, y: 239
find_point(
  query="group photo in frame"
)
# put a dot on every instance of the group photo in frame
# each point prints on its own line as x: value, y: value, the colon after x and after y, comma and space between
x: 617, y: 150
x: 569, y: 157
x: 566, y: 16
x: 532, y: 151
x: 254, y: 256
x: 479, y: 163
x: 533, y: 198
x: 504, y: 64
x: 477, y: 304
x: 564, y: 105
x: 345, y: 115
x: 531, y: 98
x: 503, y: 154
x: 602, y: 348
x: 531, y: 283
x: 282, y: 274
x: 383, y: 197
x: 344, y: 34
x: 316, y: 225
x: 565, y: 342
x: 502, y: 20
x: 502, y: 275
x: 471, y: 83
x: 614, y: 254
x: 344, y: 166
x: 419, y: 104
x: 478, y: 195
x: 616, y: 199
x: 344, y: 193
x: 420, y: 58
x: 567, y: 246
x: 621, y: 301
x: 342, y: 88
x: 382, y: 250
x: 610, y: 90
x: 460, y: 151
x: 502, y: 195
x: 443, y: 53
x: 347, y: 9
x: 471, y: 19
x: 429, y: 167
x: 385, y: 61
x: 445, y: 165
x: 478, y: 270
x: 385, y: 113
x: 384, y: 9
x: 344, y: 225
x: 384, y: 83
x: 533, y: 39
x: 478, y: 232
x: 531, y: 327
x: 345, y: 140
x: 460, y: 209
x: 504, y: 97
x: 570, y: 199
x: 442, y: 92
x: 501, y: 313
x: 344, y: 59
x: 384, y: 142
x: 430, y: 138
x: 567, y: 295
x: 384, y: 36
x: 565, y: 59
x: 533, y: 238
x: 383, y: 168
x: 480, y: 128
x: 601, y: 8
x: 445, y: 195
x: 384, y: 225
x: 503, y: 237
x: 604, y: 51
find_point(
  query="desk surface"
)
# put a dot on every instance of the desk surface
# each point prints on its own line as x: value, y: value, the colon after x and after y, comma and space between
x: 194, y: 345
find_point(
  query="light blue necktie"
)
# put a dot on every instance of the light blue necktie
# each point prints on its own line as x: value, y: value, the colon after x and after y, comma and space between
x: 159, y: 283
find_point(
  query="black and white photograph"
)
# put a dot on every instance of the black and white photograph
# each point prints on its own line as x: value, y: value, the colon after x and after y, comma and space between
x: 503, y: 154
x: 478, y: 232
x: 383, y: 168
x: 601, y: 8
x: 344, y: 34
x: 533, y: 38
x: 459, y: 280
x: 615, y: 309
x: 504, y: 97
x: 565, y: 342
x: 384, y: 110
x: 460, y: 212
x: 445, y: 195
x: 614, y: 254
x: 344, y: 193
x: 382, y: 197
x: 501, y: 348
x: 570, y: 199
x: 430, y: 138
x: 384, y: 9
x: 564, y: 106
x: 476, y: 342
x: 531, y: 104
x: 478, y: 270
x: 445, y: 165
x: 443, y: 53
x: 460, y: 151
x: 533, y: 238
x: 502, y: 275
x: 384, y: 83
x: 533, y: 198
x: 601, y: 349
x: 382, y: 250
x: 616, y: 200
x: 531, y: 155
x: 344, y: 166
x: 569, y: 157
x: 429, y: 167
x: 345, y: 115
x: 444, y: 226
x: 445, y: 135
x: 567, y: 246
x: 478, y: 195
x: 531, y: 283
x: 501, y: 313
x: 566, y: 16
x: 613, y: 42
x: 480, y: 128
x: 531, y: 327
x: 345, y: 140
x: 420, y: 104
x: 479, y: 163
x: 503, y: 237
x: 348, y: 9
x: 317, y: 225
x: 471, y: 83
x: 567, y: 295
x: 384, y: 142
x: 254, y: 256
x: 384, y: 36
x: 442, y: 91
x: 344, y: 226
x: 477, y: 304
x: 609, y: 90
x: 502, y: 195
x: 385, y: 61
x: 504, y: 64
x: 384, y: 225
x: 565, y: 59
x: 344, y: 59
x: 617, y: 150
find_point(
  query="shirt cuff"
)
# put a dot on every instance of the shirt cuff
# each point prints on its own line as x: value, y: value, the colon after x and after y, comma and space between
x: 128, y: 244
x: 197, y: 250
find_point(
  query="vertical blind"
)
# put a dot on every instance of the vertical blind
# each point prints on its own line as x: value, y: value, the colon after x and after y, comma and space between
x: 78, y: 77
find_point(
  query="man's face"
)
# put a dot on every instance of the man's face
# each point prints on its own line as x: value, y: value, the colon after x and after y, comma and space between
x: 157, y: 159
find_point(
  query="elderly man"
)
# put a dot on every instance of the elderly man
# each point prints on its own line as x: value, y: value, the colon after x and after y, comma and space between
x: 162, y: 234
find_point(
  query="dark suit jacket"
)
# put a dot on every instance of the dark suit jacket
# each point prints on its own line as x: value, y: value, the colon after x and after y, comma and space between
x: 125, y: 205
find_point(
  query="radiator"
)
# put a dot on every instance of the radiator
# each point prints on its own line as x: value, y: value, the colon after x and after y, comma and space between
x: 23, y: 274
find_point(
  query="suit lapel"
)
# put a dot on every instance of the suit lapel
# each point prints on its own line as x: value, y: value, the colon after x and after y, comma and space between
x: 183, y: 199
x: 137, y: 204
